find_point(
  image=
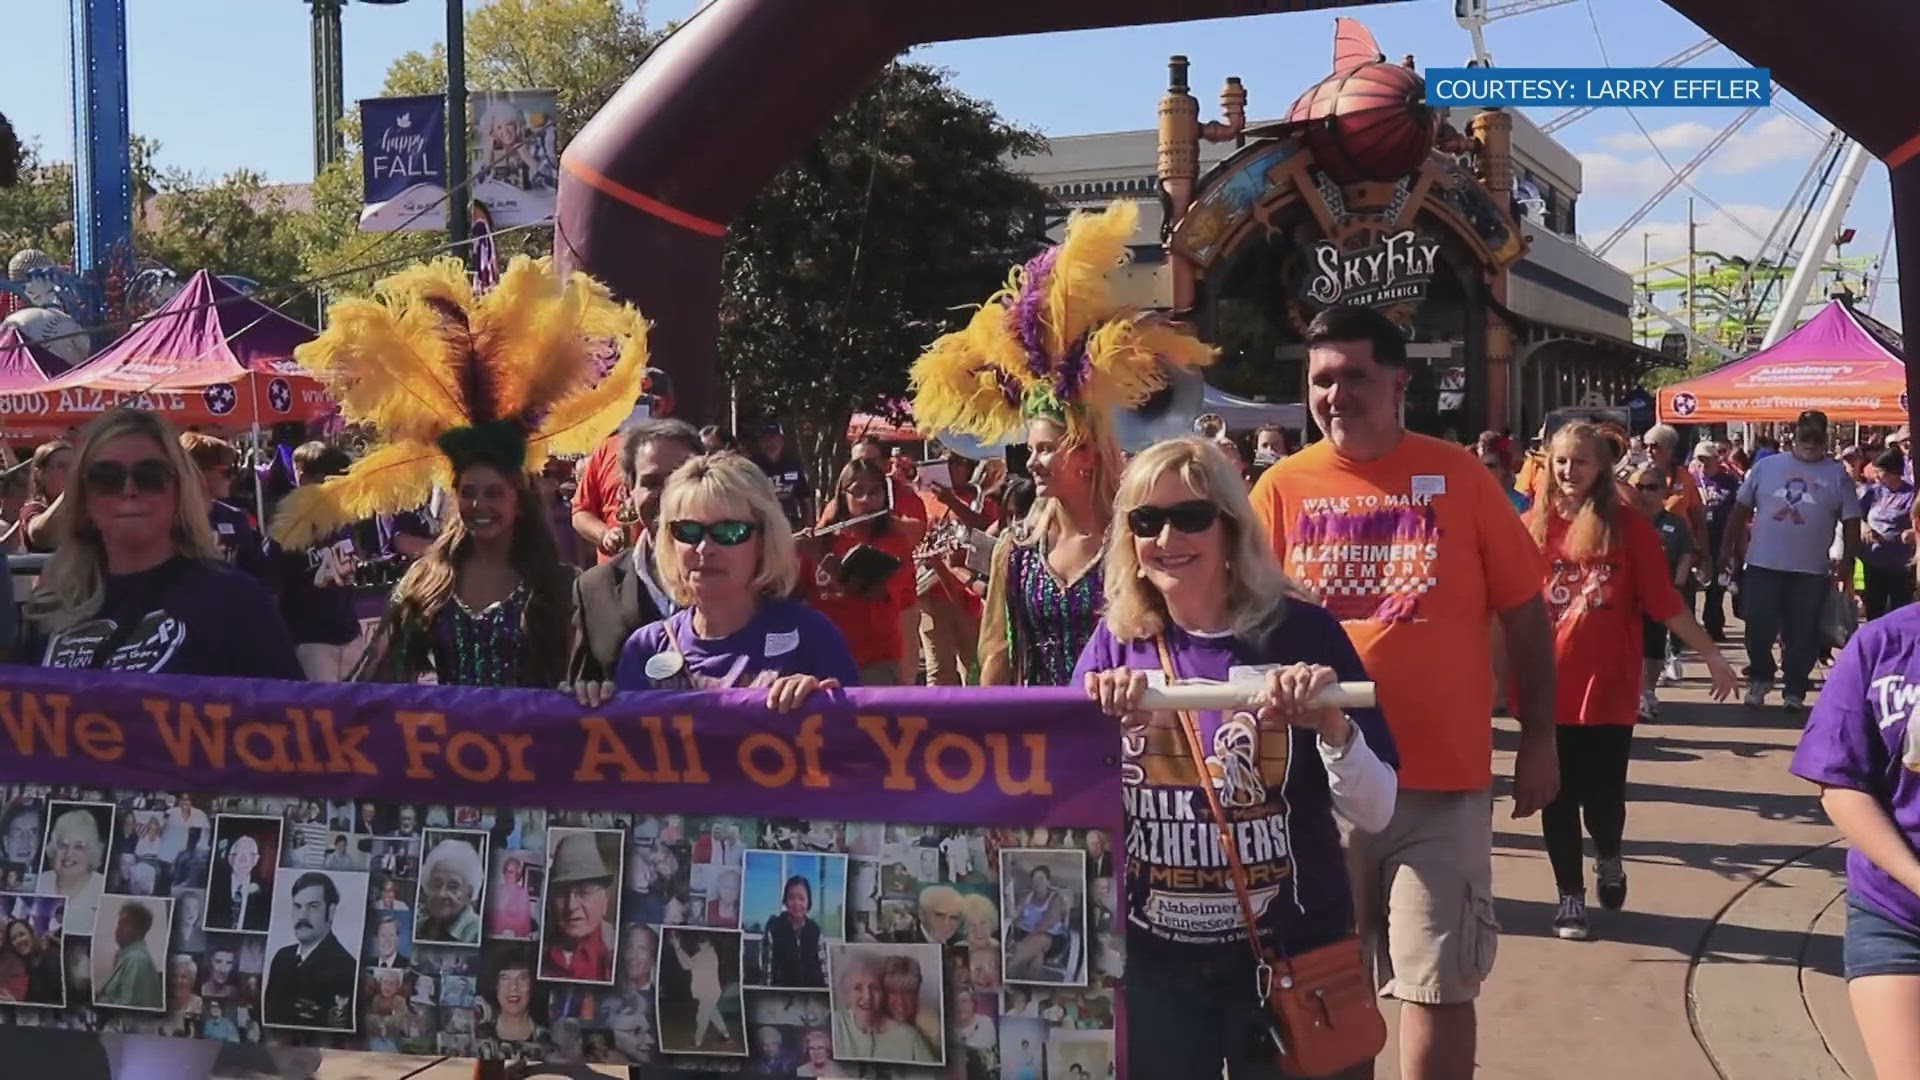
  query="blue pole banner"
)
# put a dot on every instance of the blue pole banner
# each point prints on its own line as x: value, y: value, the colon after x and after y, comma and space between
x: 403, y: 164
x: 1599, y: 87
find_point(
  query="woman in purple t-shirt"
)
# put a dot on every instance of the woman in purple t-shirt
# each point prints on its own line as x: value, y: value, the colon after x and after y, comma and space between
x: 726, y: 555
x: 137, y: 584
x: 1191, y: 573
x: 1863, y: 749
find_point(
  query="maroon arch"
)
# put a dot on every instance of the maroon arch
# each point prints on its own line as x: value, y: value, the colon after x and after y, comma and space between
x: 649, y: 186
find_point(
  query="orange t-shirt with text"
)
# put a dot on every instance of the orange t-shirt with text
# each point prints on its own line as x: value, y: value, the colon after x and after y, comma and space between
x: 602, y: 490
x: 1597, y: 606
x: 1415, y: 554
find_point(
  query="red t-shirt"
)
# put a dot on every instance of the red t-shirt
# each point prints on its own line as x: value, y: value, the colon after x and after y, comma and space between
x: 1597, y: 607
x: 602, y: 491
x: 871, y: 626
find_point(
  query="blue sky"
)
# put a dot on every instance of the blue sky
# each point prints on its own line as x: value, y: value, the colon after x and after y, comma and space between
x: 223, y: 84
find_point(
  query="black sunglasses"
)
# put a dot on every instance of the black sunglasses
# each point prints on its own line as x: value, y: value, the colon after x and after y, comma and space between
x: 1192, y: 516
x: 1652, y: 487
x: 150, y: 477
x: 724, y: 533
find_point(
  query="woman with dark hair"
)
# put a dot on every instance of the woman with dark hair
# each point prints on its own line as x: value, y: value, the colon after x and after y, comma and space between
x: 489, y: 603
x: 793, y: 952
x: 873, y: 606
x: 481, y: 390
x: 16, y: 962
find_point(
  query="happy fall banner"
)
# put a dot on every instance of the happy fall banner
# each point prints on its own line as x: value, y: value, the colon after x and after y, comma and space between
x: 947, y: 757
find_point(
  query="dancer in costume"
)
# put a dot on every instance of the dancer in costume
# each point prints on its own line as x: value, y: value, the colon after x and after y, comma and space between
x: 473, y: 394
x: 1052, y: 356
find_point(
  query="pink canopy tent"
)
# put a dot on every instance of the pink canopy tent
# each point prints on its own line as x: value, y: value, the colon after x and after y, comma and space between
x: 211, y: 358
x: 1841, y: 362
x: 24, y: 366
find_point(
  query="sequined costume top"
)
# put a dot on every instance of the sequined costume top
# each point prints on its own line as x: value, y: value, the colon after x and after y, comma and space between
x: 1048, y: 620
x: 460, y: 647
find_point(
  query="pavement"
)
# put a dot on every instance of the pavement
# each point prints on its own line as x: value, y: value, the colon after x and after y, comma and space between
x: 1725, y: 964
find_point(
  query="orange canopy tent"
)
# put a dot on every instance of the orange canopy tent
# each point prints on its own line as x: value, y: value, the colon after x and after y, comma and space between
x: 210, y: 358
x: 1840, y: 362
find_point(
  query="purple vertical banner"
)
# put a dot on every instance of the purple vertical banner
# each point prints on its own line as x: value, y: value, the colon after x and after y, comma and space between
x: 403, y: 164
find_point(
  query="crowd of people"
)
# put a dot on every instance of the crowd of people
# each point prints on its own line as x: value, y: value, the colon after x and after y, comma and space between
x: 1374, y: 554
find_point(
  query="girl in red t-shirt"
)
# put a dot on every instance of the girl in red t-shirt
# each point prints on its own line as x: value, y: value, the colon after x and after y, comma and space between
x: 871, y: 614
x: 1606, y: 571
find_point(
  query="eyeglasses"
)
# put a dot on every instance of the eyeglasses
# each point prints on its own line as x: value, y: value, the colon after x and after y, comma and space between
x: 150, y: 477
x: 724, y: 533
x: 1192, y: 516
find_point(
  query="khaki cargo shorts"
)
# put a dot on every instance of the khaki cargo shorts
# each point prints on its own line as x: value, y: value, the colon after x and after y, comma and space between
x: 1423, y: 896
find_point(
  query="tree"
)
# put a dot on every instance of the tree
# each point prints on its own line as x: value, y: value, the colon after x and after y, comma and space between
x: 237, y: 225
x: 37, y: 212
x: 900, y: 212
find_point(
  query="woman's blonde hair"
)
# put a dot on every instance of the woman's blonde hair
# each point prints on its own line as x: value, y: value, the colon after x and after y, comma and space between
x: 74, y: 581
x: 1256, y: 588
x: 37, y: 472
x: 1590, y: 532
x: 1044, y: 522
x: 725, y: 483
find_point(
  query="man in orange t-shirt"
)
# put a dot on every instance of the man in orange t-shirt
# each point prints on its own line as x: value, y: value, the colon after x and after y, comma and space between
x: 1413, y: 545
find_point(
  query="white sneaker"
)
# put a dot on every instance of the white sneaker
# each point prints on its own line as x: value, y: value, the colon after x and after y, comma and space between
x: 1756, y: 694
x: 1674, y: 672
x: 1570, y: 924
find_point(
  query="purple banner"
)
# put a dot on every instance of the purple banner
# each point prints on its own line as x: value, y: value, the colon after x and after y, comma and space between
x: 946, y: 757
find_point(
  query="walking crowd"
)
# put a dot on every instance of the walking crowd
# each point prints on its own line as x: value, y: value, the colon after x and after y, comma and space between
x: 1347, y: 846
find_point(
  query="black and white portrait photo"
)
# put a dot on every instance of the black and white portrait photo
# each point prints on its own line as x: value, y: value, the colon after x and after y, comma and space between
x: 246, y: 851
x: 313, y: 979
x: 453, y: 884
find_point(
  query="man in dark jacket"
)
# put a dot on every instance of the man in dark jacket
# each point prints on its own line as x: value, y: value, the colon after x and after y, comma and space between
x: 622, y: 595
x: 311, y: 983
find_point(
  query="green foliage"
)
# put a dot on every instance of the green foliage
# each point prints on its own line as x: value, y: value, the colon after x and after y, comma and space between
x: 239, y: 224
x: 37, y: 212
x: 861, y: 253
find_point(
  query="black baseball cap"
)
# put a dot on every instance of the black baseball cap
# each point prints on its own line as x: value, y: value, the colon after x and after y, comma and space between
x: 1811, y: 426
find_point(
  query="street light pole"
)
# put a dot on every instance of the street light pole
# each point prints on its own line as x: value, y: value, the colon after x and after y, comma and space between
x: 457, y: 195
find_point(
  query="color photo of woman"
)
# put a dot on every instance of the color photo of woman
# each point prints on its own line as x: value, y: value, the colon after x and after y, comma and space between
x: 1045, y: 914
x: 74, y: 857
x: 31, y: 970
x: 881, y: 996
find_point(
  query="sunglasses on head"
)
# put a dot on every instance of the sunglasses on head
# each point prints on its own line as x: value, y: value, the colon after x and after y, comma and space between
x: 150, y: 477
x: 724, y: 533
x: 1192, y: 516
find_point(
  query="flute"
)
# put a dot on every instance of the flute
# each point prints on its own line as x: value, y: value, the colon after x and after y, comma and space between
x: 838, y: 526
x: 1219, y: 695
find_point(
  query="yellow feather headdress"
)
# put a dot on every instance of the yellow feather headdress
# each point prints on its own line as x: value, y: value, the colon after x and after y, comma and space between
x: 448, y: 379
x: 1055, y: 343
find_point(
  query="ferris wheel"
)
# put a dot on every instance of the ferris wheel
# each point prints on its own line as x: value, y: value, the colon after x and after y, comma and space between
x: 1725, y: 303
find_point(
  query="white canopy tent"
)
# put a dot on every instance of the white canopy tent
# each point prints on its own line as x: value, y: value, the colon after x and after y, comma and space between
x: 1244, y: 415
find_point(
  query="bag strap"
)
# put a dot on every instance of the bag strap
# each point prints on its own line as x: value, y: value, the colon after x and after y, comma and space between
x: 1189, y: 724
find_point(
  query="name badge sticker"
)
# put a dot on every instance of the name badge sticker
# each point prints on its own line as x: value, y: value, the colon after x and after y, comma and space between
x: 1429, y: 486
x: 782, y: 644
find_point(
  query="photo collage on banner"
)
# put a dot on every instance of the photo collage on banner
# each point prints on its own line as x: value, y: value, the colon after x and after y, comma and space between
x: 775, y: 947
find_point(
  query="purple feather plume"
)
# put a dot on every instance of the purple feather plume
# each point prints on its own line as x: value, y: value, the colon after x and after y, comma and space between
x: 1075, y: 370
x: 1029, y: 310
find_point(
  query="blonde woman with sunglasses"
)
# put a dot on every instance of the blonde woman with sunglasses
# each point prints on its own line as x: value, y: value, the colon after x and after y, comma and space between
x: 1193, y: 592
x: 726, y: 554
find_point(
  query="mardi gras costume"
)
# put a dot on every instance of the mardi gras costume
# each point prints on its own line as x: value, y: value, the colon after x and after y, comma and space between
x: 449, y: 381
x: 1054, y: 344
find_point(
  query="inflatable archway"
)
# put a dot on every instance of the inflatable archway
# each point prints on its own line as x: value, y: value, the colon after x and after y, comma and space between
x: 721, y: 106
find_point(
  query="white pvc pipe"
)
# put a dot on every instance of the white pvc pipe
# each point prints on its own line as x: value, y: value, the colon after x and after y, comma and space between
x: 1814, y: 256
x: 1218, y: 695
